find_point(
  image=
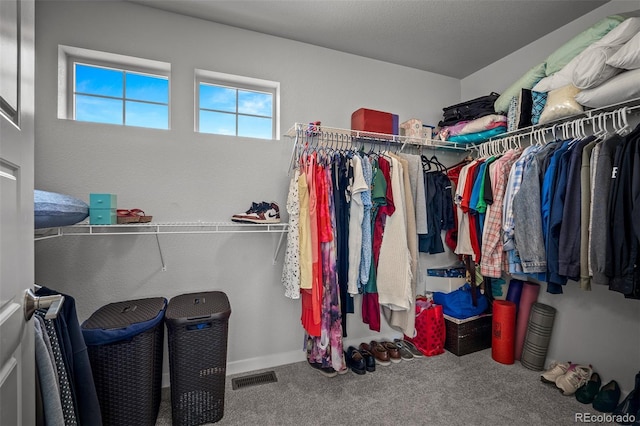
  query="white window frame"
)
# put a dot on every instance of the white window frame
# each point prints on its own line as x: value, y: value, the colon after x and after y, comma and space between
x: 241, y: 83
x: 68, y: 56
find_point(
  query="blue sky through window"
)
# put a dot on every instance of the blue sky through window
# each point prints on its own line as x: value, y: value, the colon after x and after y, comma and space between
x: 112, y: 96
x: 219, y: 107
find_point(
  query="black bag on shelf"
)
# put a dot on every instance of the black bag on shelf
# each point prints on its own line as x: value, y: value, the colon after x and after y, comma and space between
x: 469, y: 110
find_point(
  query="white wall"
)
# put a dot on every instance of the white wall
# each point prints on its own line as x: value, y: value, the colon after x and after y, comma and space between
x: 600, y: 327
x: 179, y: 175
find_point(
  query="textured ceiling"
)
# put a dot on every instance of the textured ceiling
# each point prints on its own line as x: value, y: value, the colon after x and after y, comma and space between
x: 450, y: 37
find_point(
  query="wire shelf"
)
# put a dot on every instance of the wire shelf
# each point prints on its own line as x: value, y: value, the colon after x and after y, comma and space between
x: 172, y: 228
x: 337, y: 138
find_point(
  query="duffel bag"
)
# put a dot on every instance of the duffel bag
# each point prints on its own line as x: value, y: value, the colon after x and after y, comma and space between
x: 469, y: 110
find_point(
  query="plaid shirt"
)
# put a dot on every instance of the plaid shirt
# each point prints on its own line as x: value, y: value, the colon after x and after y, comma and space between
x: 491, y: 263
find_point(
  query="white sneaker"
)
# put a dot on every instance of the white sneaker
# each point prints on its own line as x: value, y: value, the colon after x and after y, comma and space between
x: 556, y: 369
x: 573, y: 379
x: 259, y: 213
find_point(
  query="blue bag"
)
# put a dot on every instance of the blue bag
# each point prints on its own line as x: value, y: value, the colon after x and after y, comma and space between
x: 458, y: 303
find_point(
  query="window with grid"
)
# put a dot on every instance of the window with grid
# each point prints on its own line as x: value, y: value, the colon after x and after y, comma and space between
x: 118, y: 96
x: 236, y: 106
x: 109, y: 88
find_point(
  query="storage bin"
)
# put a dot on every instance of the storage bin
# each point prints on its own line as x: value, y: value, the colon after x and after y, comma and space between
x: 411, y: 128
x: 197, y: 325
x: 103, y: 201
x: 102, y: 216
x: 370, y: 120
x: 467, y: 335
x: 125, y: 346
x: 443, y: 284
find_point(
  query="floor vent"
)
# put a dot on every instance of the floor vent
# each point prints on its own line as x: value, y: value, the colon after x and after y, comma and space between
x: 254, y: 380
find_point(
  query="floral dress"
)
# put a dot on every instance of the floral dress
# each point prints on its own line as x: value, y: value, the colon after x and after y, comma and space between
x: 291, y: 269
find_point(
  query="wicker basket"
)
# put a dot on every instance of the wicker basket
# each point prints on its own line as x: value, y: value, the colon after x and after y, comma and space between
x: 197, y: 325
x: 128, y: 372
x: 468, y: 335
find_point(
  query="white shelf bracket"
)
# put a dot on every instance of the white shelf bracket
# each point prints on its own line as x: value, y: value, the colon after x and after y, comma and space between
x: 164, y: 265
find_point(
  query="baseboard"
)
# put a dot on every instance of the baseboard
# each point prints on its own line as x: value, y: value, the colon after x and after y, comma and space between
x: 252, y: 364
x: 260, y: 363
x: 274, y: 360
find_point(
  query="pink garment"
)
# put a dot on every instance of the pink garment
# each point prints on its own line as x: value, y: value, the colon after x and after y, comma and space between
x: 487, y: 122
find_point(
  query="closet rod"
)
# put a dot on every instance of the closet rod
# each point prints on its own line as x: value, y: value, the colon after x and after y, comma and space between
x: 570, y: 127
x: 326, y: 135
x: 631, y: 105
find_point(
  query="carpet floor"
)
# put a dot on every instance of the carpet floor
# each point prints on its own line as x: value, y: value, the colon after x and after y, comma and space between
x: 442, y: 390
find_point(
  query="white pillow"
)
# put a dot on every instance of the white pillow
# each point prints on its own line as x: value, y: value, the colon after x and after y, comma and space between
x: 620, y: 88
x: 592, y: 69
x: 628, y: 56
x: 558, y: 79
x: 620, y: 34
x: 616, y: 37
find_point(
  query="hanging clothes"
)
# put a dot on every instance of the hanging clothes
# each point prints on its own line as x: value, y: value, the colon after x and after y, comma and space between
x: 585, y: 213
x: 528, y: 228
x: 382, y: 199
x: 48, y: 378
x: 600, y: 211
x: 291, y: 270
x: 404, y: 320
x: 394, y: 264
x: 312, y: 295
x: 327, y: 349
x: 492, y: 261
x: 341, y: 170
x: 439, y: 202
x: 623, y: 255
x: 75, y: 363
x: 366, y: 256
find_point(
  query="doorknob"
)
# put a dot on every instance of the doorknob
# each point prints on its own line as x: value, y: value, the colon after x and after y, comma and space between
x: 52, y: 304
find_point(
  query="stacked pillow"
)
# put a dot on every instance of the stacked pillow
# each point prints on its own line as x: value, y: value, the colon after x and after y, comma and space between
x: 599, y: 67
x: 623, y: 86
x: 585, y: 62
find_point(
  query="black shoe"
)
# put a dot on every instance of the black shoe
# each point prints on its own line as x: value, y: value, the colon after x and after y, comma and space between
x: 630, y: 406
x: 369, y: 360
x: 325, y: 371
x: 355, y: 360
x: 587, y: 392
x: 607, y: 399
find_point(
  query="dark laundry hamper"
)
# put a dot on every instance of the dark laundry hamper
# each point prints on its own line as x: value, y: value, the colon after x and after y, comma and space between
x: 197, y: 325
x: 125, y: 346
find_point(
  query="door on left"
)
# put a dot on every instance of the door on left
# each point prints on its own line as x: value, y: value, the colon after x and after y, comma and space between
x: 17, y: 72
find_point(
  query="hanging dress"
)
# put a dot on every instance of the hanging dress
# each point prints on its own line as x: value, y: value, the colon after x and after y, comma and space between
x: 291, y: 269
x: 309, y: 289
x: 327, y: 350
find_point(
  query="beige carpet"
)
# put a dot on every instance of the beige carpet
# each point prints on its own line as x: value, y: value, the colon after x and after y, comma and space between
x: 441, y: 390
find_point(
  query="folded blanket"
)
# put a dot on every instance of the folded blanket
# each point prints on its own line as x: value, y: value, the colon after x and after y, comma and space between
x: 473, y: 126
x: 478, y: 136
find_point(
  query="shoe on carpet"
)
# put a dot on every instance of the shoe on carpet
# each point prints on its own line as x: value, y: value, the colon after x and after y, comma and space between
x: 630, y: 406
x: 355, y: 360
x: 369, y: 360
x: 405, y: 353
x: 573, y: 379
x: 379, y: 352
x: 556, y: 369
x: 393, y: 350
x: 607, y: 399
x: 259, y: 213
x: 411, y: 347
x: 325, y: 371
x: 589, y: 390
